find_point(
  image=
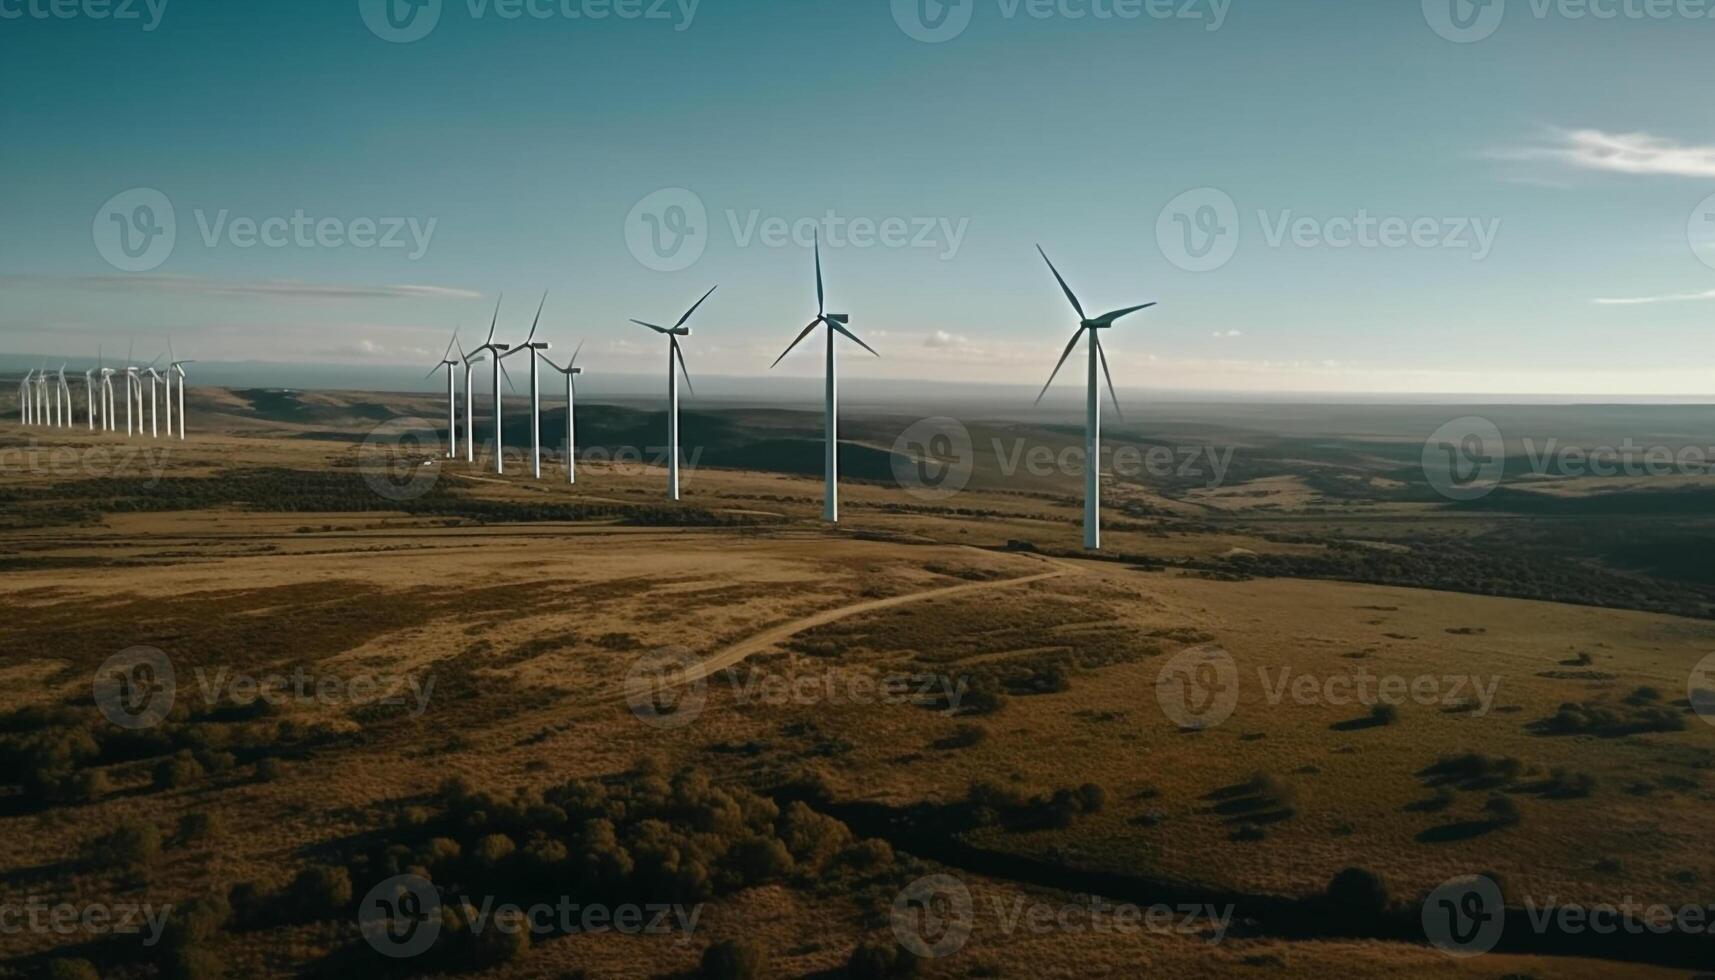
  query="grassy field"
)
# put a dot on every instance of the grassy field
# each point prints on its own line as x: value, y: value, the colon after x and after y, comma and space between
x: 935, y: 687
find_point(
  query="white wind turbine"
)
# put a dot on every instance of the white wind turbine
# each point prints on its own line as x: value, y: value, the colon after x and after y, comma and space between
x: 131, y: 389
x: 47, y: 408
x: 675, y: 355
x: 62, y: 399
x: 836, y: 323
x: 495, y: 351
x: 535, y: 348
x: 1093, y: 402
x: 178, y: 368
x: 26, y: 394
x: 154, y: 405
x: 470, y: 364
x: 571, y: 371
x: 107, y: 410
x: 89, y: 396
x: 452, y: 397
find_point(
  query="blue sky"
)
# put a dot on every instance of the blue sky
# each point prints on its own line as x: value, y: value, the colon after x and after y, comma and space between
x: 1559, y: 163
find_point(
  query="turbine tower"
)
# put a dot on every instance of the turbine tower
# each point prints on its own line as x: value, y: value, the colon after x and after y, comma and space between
x: 178, y: 368
x: 130, y: 390
x: 26, y: 395
x: 675, y: 355
x: 571, y: 371
x: 496, y: 350
x: 470, y: 364
x: 62, y: 399
x: 1093, y: 402
x: 452, y: 397
x: 154, y: 405
x: 89, y: 397
x: 836, y: 323
x: 107, y: 409
x: 534, y: 346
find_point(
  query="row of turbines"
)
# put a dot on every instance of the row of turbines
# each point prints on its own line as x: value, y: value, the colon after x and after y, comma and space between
x: 45, y: 398
x: 835, y: 325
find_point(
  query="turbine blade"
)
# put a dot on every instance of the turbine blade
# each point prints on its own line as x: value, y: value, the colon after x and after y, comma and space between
x: 432, y: 371
x: 537, y: 321
x: 507, y: 375
x: 852, y: 337
x: 813, y: 325
x: 693, y: 308
x: 493, y: 323
x: 1109, y: 318
x: 1057, y: 367
x: 680, y: 354
x: 821, y: 301
x: 444, y: 354
x: 650, y: 326
x: 574, y: 361
x: 1068, y: 289
x: 551, y: 362
x: 1102, y: 355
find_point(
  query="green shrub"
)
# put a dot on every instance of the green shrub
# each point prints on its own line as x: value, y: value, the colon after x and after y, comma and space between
x: 319, y: 892
x: 734, y: 959
x: 72, y: 970
x: 133, y: 845
x: 1357, y: 892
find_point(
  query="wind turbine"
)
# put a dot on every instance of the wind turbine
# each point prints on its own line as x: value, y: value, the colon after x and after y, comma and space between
x: 452, y: 397
x: 571, y: 371
x: 154, y: 406
x: 1093, y: 408
x: 89, y: 397
x: 131, y: 388
x: 62, y: 399
x: 497, y: 350
x: 535, y: 347
x: 107, y: 374
x: 674, y: 354
x: 836, y: 323
x: 26, y: 395
x: 470, y: 364
x: 178, y: 368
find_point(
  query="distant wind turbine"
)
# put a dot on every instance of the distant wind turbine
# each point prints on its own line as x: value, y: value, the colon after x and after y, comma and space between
x: 571, y: 371
x: 675, y: 358
x: 836, y: 323
x: 1093, y: 400
x: 89, y: 397
x: 533, y: 347
x: 26, y: 395
x: 62, y: 398
x: 154, y: 407
x: 452, y: 396
x: 178, y: 368
x: 470, y: 364
x: 495, y: 351
x: 107, y: 409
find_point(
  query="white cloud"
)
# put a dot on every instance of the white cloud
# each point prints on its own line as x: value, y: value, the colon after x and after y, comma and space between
x: 1228, y: 333
x: 944, y: 340
x: 1647, y: 300
x: 270, y: 289
x: 1625, y: 153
